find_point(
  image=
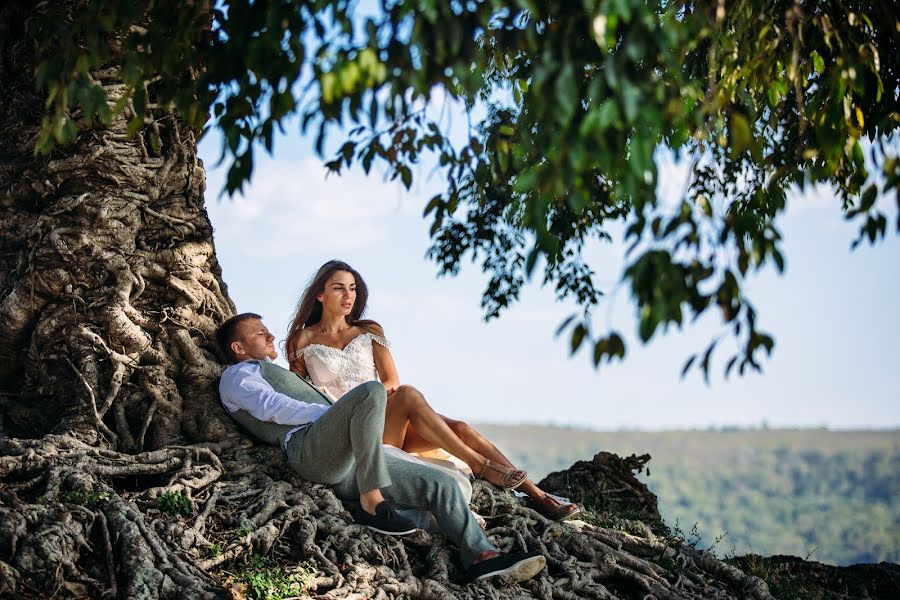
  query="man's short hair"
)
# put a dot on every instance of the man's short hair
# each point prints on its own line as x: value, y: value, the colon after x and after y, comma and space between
x: 227, y: 333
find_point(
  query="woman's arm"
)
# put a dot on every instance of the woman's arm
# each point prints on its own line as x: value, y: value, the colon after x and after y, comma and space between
x: 384, y: 362
x: 295, y: 358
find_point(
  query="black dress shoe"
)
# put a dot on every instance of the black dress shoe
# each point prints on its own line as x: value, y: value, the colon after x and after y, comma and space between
x: 385, y: 520
x: 521, y: 566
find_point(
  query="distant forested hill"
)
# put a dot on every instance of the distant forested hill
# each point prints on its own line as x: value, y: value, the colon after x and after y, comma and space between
x: 834, y: 494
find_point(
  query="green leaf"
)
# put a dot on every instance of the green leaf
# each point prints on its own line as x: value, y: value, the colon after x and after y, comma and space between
x: 641, y: 156
x: 616, y: 346
x: 818, y: 62
x: 741, y: 137
x: 134, y: 125
x: 405, y: 176
x: 779, y: 260
x: 687, y: 365
x: 630, y: 100
x: 601, y: 349
x: 433, y: 204
x: 730, y: 364
x: 531, y: 260
x: 566, y: 94
x: 704, y: 364
x: 868, y: 198
x: 649, y: 321
x: 155, y: 142
x: 609, y: 113
x: 564, y: 324
x: 577, y: 337
x: 859, y: 159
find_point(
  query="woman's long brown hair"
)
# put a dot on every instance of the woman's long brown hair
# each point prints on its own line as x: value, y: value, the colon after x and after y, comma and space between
x: 309, y: 309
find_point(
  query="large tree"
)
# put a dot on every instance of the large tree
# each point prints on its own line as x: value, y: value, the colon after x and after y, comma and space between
x: 110, y: 290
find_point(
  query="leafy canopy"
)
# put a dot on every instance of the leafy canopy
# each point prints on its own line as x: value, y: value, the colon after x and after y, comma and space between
x: 576, y: 99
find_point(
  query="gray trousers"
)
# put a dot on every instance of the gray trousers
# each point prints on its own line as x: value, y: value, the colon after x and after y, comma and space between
x: 343, y: 448
x: 426, y: 488
x: 345, y: 442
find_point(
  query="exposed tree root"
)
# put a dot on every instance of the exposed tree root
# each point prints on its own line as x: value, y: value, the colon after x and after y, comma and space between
x: 77, y: 518
x: 617, y: 489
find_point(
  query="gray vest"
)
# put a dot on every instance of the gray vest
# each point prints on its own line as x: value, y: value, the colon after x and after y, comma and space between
x: 289, y: 384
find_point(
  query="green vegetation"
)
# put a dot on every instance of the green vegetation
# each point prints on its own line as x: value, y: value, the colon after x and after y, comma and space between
x: 266, y: 580
x: 567, y: 104
x: 824, y: 494
x: 627, y: 522
x: 174, y: 503
x: 89, y: 499
x: 244, y: 531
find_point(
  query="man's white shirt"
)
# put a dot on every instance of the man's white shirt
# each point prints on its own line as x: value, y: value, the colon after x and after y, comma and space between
x: 243, y: 387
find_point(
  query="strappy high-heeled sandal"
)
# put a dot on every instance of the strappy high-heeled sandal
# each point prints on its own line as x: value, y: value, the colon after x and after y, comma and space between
x: 510, y: 477
x: 554, y: 509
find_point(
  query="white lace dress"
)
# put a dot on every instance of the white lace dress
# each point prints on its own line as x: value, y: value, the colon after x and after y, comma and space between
x: 340, y: 370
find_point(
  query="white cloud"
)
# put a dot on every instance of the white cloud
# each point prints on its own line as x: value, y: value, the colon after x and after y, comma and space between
x: 812, y: 198
x: 291, y: 205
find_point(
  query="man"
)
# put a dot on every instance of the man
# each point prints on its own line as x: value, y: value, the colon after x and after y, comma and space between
x: 340, y: 444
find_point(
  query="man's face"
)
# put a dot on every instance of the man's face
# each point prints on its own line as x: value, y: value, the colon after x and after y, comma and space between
x: 254, y: 341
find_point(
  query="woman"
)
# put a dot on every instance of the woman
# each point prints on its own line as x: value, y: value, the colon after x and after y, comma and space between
x: 331, y: 344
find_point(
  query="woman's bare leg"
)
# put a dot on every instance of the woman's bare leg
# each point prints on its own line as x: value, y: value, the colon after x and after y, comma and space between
x: 410, y: 423
x: 405, y: 407
x: 545, y: 503
x: 474, y: 440
x: 416, y: 443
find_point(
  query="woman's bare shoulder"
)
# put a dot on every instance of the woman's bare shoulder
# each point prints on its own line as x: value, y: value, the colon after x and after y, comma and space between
x: 376, y: 332
x: 371, y: 327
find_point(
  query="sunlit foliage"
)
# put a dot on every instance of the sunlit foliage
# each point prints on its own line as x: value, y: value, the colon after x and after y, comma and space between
x: 569, y: 103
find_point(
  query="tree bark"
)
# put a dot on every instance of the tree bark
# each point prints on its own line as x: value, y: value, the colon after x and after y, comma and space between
x: 110, y: 290
x: 110, y: 293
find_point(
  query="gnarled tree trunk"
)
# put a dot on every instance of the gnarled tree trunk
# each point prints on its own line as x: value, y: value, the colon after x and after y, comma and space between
x: 110, y: 293
x: 109, y: 286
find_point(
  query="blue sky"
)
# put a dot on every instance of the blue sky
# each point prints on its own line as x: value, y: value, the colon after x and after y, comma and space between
x: 833, y: 313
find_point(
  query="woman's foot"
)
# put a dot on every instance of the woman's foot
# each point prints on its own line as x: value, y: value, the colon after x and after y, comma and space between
x: 508, y: 478
x: 555, y: 510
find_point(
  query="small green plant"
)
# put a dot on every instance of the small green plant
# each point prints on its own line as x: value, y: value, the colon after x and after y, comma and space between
x: 757, y: 566
x: 266, y: 580
x: 214, y: 550
x: 591, y: 516
x: 628, y: 521
x: 677, y: 536
x: 783, y: 586
x: 607, y: 520
x: 716, y: 542
x: 89, y: 499
x: 243, y: 531
x: 174, y: 503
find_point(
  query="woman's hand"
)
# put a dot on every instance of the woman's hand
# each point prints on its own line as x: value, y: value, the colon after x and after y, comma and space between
x: 328, y: 393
